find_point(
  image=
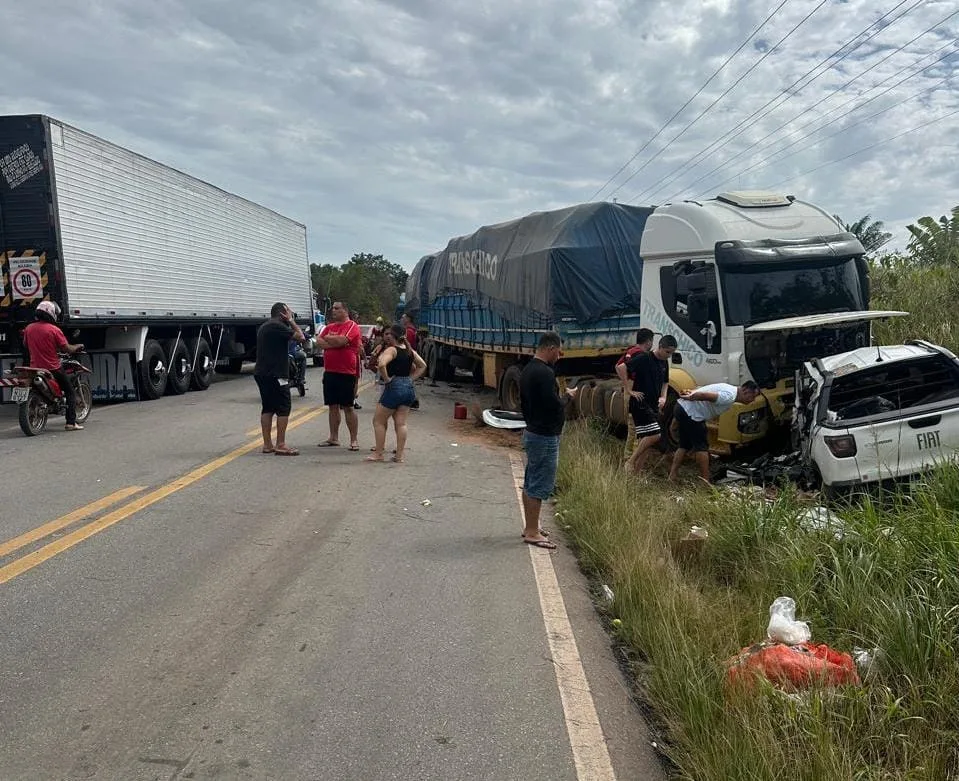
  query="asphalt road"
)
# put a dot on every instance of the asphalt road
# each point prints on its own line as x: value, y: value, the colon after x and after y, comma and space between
x: 175, y: 604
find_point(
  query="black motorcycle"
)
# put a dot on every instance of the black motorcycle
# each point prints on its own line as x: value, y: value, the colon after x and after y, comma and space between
x: 297, y: 375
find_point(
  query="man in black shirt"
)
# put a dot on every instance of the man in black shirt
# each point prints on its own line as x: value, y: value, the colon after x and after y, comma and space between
x: 544, y: 411
x: 650, y: 373
x: 272, y: 374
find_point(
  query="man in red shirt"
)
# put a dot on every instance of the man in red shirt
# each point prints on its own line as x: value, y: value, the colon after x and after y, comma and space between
x: 340, y: 340
x: 44, y: 340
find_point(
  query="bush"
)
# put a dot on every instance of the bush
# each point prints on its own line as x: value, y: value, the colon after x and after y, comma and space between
x: 928, y: 294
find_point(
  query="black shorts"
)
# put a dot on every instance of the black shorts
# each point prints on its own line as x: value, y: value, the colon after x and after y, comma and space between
x: 274, y: 397
x: 692, y: 433
x: 645, y: 419
x: 339, y: 390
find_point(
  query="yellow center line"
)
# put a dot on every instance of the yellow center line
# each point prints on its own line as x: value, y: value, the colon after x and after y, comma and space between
x: 63, y: 521
x: 66, y: 542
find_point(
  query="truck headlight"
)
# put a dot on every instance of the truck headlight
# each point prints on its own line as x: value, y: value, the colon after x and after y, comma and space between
x: 750, y: 422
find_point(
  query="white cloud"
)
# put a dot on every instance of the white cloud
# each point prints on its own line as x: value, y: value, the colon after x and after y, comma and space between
x: 392, y: 126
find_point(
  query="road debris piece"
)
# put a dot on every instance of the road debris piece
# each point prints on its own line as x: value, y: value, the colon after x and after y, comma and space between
x: 792, y: 667
x: 691, y: 545
x: 426, y: 503
x: 608, y: 593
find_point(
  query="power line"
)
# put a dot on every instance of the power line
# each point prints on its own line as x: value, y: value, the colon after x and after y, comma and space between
x: 824, y: 99
x: 683, y: 107
x: 871, y: 146
x: 786, y: 94
x: 768, y: 159
x: 723, y: 95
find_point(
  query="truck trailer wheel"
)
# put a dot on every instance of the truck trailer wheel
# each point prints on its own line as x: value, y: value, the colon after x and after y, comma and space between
x: 153, y: 370
x: 669, y: 440
x: 203, y: 365
x: 178, y: 377
x: 509, y: 388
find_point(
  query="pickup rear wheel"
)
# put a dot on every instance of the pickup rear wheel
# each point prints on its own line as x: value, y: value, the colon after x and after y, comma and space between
x: 178, y: 378
x: 153, y: 370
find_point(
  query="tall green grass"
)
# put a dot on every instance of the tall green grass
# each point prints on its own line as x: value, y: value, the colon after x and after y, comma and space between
x: 928, y: 294
x: 889, y: 580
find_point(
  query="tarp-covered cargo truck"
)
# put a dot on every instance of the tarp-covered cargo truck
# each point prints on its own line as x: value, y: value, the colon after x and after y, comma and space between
x: 751, y: 284
x: 158, y: 274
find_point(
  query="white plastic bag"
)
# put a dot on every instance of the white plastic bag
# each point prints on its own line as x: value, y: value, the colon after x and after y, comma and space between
x: 783, y: 626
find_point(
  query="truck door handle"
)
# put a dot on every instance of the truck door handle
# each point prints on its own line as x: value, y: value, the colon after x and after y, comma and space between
x: 932, y: 420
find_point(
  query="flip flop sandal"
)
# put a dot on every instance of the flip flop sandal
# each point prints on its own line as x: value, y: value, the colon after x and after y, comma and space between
x: 288, y: 451
x: 374, y: 459
x: 546, y: 544
x: 265, y: 451
x: 328, y: 444
x: 354, y: 448
x: 542, y: 533
x: 396, y: 460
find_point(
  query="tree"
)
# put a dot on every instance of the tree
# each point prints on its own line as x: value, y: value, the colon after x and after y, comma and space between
x: 869, y: 232
x: 935, y: 242
x: 370, y: 285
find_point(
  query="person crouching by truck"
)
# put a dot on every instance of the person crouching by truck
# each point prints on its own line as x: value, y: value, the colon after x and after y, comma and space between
x: 650, y: 371
x: 693, y: 410
x: 644, y: 343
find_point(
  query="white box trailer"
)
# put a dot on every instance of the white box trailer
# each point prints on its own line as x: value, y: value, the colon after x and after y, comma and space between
x: 162, y: 276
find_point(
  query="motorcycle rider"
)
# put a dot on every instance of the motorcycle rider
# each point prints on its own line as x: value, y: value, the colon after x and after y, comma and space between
x: 44, y: 341
x: 298, y: 354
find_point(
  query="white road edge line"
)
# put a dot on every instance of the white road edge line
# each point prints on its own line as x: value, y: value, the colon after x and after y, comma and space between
x: 586, y: 737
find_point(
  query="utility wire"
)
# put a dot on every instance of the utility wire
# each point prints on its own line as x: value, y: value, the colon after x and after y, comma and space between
x: 824, y: 99
x: 709, y: 108
x: 787, y: 94
x: 684, y: 106
x: 871, y: 146
x: 769, y: 161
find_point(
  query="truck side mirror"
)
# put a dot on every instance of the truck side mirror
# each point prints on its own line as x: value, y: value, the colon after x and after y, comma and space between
x: 698, y: 308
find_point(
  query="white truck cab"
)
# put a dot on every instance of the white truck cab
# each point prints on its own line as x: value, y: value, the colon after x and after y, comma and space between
x: 753, y: 284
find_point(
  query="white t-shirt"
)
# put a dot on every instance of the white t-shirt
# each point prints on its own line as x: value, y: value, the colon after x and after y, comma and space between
x: 707, y: 410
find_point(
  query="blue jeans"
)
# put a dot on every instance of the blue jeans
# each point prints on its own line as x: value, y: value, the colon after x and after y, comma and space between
x: 398, y: 393
x: 542, y: 459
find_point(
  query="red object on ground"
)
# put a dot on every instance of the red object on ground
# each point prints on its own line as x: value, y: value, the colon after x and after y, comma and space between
x: 792, y: 666
x: 459, y: 411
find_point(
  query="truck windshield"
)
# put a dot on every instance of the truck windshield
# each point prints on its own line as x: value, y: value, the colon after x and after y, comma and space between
x: 757, y: 293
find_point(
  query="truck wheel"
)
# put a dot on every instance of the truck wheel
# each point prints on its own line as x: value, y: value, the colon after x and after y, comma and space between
x: 153, y: 370
x: 203, y: 365
x: 178, y: 359
x: 509, y: 388
x: 669, y: 440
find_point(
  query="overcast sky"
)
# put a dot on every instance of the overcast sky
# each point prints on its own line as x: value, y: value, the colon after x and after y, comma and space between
x: 389, y: 126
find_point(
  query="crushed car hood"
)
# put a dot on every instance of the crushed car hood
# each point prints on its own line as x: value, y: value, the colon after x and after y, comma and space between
x: 817, y: 321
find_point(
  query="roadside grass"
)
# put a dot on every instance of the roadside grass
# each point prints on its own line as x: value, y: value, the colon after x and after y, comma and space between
x: 928, y: 294
x: 888, y: 580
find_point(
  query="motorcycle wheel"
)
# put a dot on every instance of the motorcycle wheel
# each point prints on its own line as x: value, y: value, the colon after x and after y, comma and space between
x: 84, y: 401
x: 33, y: 415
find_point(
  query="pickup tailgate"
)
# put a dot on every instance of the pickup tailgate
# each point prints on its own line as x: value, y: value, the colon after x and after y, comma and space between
x: 901, y: 419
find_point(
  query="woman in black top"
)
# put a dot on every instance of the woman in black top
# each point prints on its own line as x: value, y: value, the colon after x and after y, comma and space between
x: 399, y: 365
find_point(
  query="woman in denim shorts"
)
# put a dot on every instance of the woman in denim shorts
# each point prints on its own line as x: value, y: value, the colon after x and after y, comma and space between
x: 398, y: 366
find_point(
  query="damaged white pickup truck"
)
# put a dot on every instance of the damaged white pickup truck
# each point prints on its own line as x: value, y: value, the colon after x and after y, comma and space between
x: 877, y: 413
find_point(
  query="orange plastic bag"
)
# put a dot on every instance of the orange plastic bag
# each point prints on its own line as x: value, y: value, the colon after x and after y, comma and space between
x: 792, y: 666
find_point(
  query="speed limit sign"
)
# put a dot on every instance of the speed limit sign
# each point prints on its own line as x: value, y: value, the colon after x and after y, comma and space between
x: 25, y: 279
